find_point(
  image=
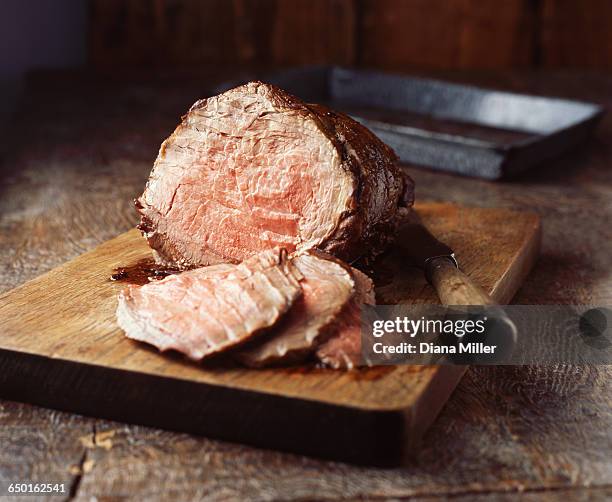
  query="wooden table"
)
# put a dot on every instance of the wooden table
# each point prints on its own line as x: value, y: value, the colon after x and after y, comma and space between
x: 80, y: 151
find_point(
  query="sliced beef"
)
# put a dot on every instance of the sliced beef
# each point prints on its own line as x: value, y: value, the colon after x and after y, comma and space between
x: 327, y: 288
x: 210, y: 309
x: 343, y: 349
x: 255, y: 168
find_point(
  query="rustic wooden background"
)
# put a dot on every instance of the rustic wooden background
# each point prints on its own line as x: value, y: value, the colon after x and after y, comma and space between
x: 387, y: 34
x: 81, y: 149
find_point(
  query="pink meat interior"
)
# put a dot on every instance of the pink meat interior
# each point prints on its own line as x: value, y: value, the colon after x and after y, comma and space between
x: 238, y: 178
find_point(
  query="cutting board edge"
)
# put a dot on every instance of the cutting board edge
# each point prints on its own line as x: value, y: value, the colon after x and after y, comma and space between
x: 508, y: 285
x: 295, y: 426
x: 363, y: 407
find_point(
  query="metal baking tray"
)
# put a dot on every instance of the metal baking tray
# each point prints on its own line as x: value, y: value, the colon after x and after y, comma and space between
x: 449, y: 127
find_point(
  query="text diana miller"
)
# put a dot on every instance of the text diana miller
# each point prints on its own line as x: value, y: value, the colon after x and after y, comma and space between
x: 431, y: 348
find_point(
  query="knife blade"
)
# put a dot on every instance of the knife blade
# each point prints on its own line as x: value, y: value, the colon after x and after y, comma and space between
x: 420, y: 246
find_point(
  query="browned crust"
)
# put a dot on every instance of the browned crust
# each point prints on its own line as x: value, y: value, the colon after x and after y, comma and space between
x: 363, y: 233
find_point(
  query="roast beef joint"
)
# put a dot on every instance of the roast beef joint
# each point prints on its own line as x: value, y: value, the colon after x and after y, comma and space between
x: 261, y: 201
x: 255, y: 168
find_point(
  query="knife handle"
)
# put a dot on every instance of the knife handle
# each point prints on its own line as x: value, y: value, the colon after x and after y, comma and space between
x: 453, y: 286
x: 456, y: 288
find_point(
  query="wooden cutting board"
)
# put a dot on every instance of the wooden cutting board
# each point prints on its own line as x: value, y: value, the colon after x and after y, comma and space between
x: 61, y: 347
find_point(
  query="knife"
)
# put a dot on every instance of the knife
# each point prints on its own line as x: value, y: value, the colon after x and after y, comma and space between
x: 453, y: 287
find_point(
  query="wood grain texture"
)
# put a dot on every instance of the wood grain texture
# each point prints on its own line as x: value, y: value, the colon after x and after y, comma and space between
x: 165, y: 33
x: 398, y: 34
x: 68, y: 316
x: 388, y: 34
x: 81, y: 147
x: 576, y: 34
x: 314, y: 32
x: 148, y: 32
